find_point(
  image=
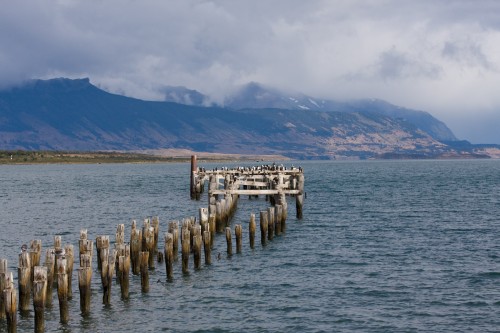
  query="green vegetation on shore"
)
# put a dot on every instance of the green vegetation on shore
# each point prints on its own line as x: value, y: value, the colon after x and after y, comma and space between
x: 46, y: 157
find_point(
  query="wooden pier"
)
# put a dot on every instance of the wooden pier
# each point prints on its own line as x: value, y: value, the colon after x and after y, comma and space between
x: 36, y: 279
x: 274, y: 181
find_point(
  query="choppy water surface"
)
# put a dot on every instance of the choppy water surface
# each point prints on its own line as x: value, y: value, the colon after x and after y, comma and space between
x: 392, y: 246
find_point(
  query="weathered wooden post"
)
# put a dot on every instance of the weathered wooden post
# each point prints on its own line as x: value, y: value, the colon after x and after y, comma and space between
x: 229, y: 241
x: 155, y: 223
x: 35, y: 251
x: 207, y: 247
x: 144, y: 259
x: 173, y: 228
x: 219, y: 216
x: 84, y: 282
x: 50, y: 263
x: 3, y: 278
x: 124, y: 272
x: 263, y: 227
x: 194, y: 167
x: 39, y: 294
x: 10, y: 303
x: 238, y: 232
x: 135, y: 248
x: 169, y: 255
x: 212, y: 222
x: 278, y: 218
x: 251, y: 230
x: 197, y: 250
x: 108, y: 269
x: 62, y: 288
x: 101, y: 242
x: 149, y: 237
x: 299, y: 198
x: 203, y: 213
x: 186, y: 243
x: 23, y: 280
x: 270, y: 226
x: 70, y: 259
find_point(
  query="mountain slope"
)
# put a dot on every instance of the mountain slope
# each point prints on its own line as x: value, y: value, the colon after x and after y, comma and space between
x: 68, y: 114
x: 257, y: 96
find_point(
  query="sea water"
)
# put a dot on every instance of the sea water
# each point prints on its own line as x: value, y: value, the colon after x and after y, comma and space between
x: 384, y: 246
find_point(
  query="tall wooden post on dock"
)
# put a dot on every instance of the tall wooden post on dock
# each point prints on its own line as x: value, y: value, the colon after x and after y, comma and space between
x: 194, y: 167
x: 299, y: 198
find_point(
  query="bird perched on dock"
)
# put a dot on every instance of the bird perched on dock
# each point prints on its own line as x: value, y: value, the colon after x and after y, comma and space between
x: 24, y: 247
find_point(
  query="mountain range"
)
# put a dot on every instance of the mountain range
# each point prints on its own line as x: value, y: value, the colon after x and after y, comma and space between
x: 73, y: 114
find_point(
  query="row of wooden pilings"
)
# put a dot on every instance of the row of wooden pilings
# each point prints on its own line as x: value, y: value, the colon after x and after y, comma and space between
x: 36, y: 281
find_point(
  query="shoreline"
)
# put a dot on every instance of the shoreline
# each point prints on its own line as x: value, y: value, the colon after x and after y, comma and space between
x: 23, y: 157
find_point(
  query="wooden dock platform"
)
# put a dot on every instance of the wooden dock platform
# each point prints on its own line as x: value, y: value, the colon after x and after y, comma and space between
x: 274, y: 181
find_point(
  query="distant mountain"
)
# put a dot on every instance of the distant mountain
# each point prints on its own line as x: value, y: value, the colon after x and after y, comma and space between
x: 254, y: 95
x: 64, y: 114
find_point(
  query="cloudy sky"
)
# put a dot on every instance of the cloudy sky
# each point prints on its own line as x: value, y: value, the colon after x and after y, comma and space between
x: 439, y: 56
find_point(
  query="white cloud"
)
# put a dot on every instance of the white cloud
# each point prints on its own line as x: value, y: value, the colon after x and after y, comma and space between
x: 441, y: 56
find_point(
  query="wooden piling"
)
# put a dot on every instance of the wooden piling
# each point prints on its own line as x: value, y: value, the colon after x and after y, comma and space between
x: 263, y: 227
x: 203, y: 217
x: 270, y: 226
x: 278, y: 219
x: 299, y: 198
x: 124, y: 272
x: 212, y: 225
x: 101, y: 242
x: 39, y: 295
x: 229, y: 241
x: 50, y: 263
x: 10, y: 303
x: 173, y: 228
x: 169, y: 255
x: 185, y: 250
x: 155, y: 223
x: 84, y: 282
x: 3, y: 278
x: 35, y: 251
x: 135, y: 248
x: 192, y: 186
x: 62, y: 289
x: 70, y: 258
x: 144, y: 259
x: 207, y: 247
x: 238, y: 232
x: 251, y: 230
x: 219, y: 217
x: 24, y: 280
x: 149, y: 239
x: 107, y: 270
x: 197, y: 250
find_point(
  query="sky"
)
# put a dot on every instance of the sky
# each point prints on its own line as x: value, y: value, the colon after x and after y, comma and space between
x: 442, y: 57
